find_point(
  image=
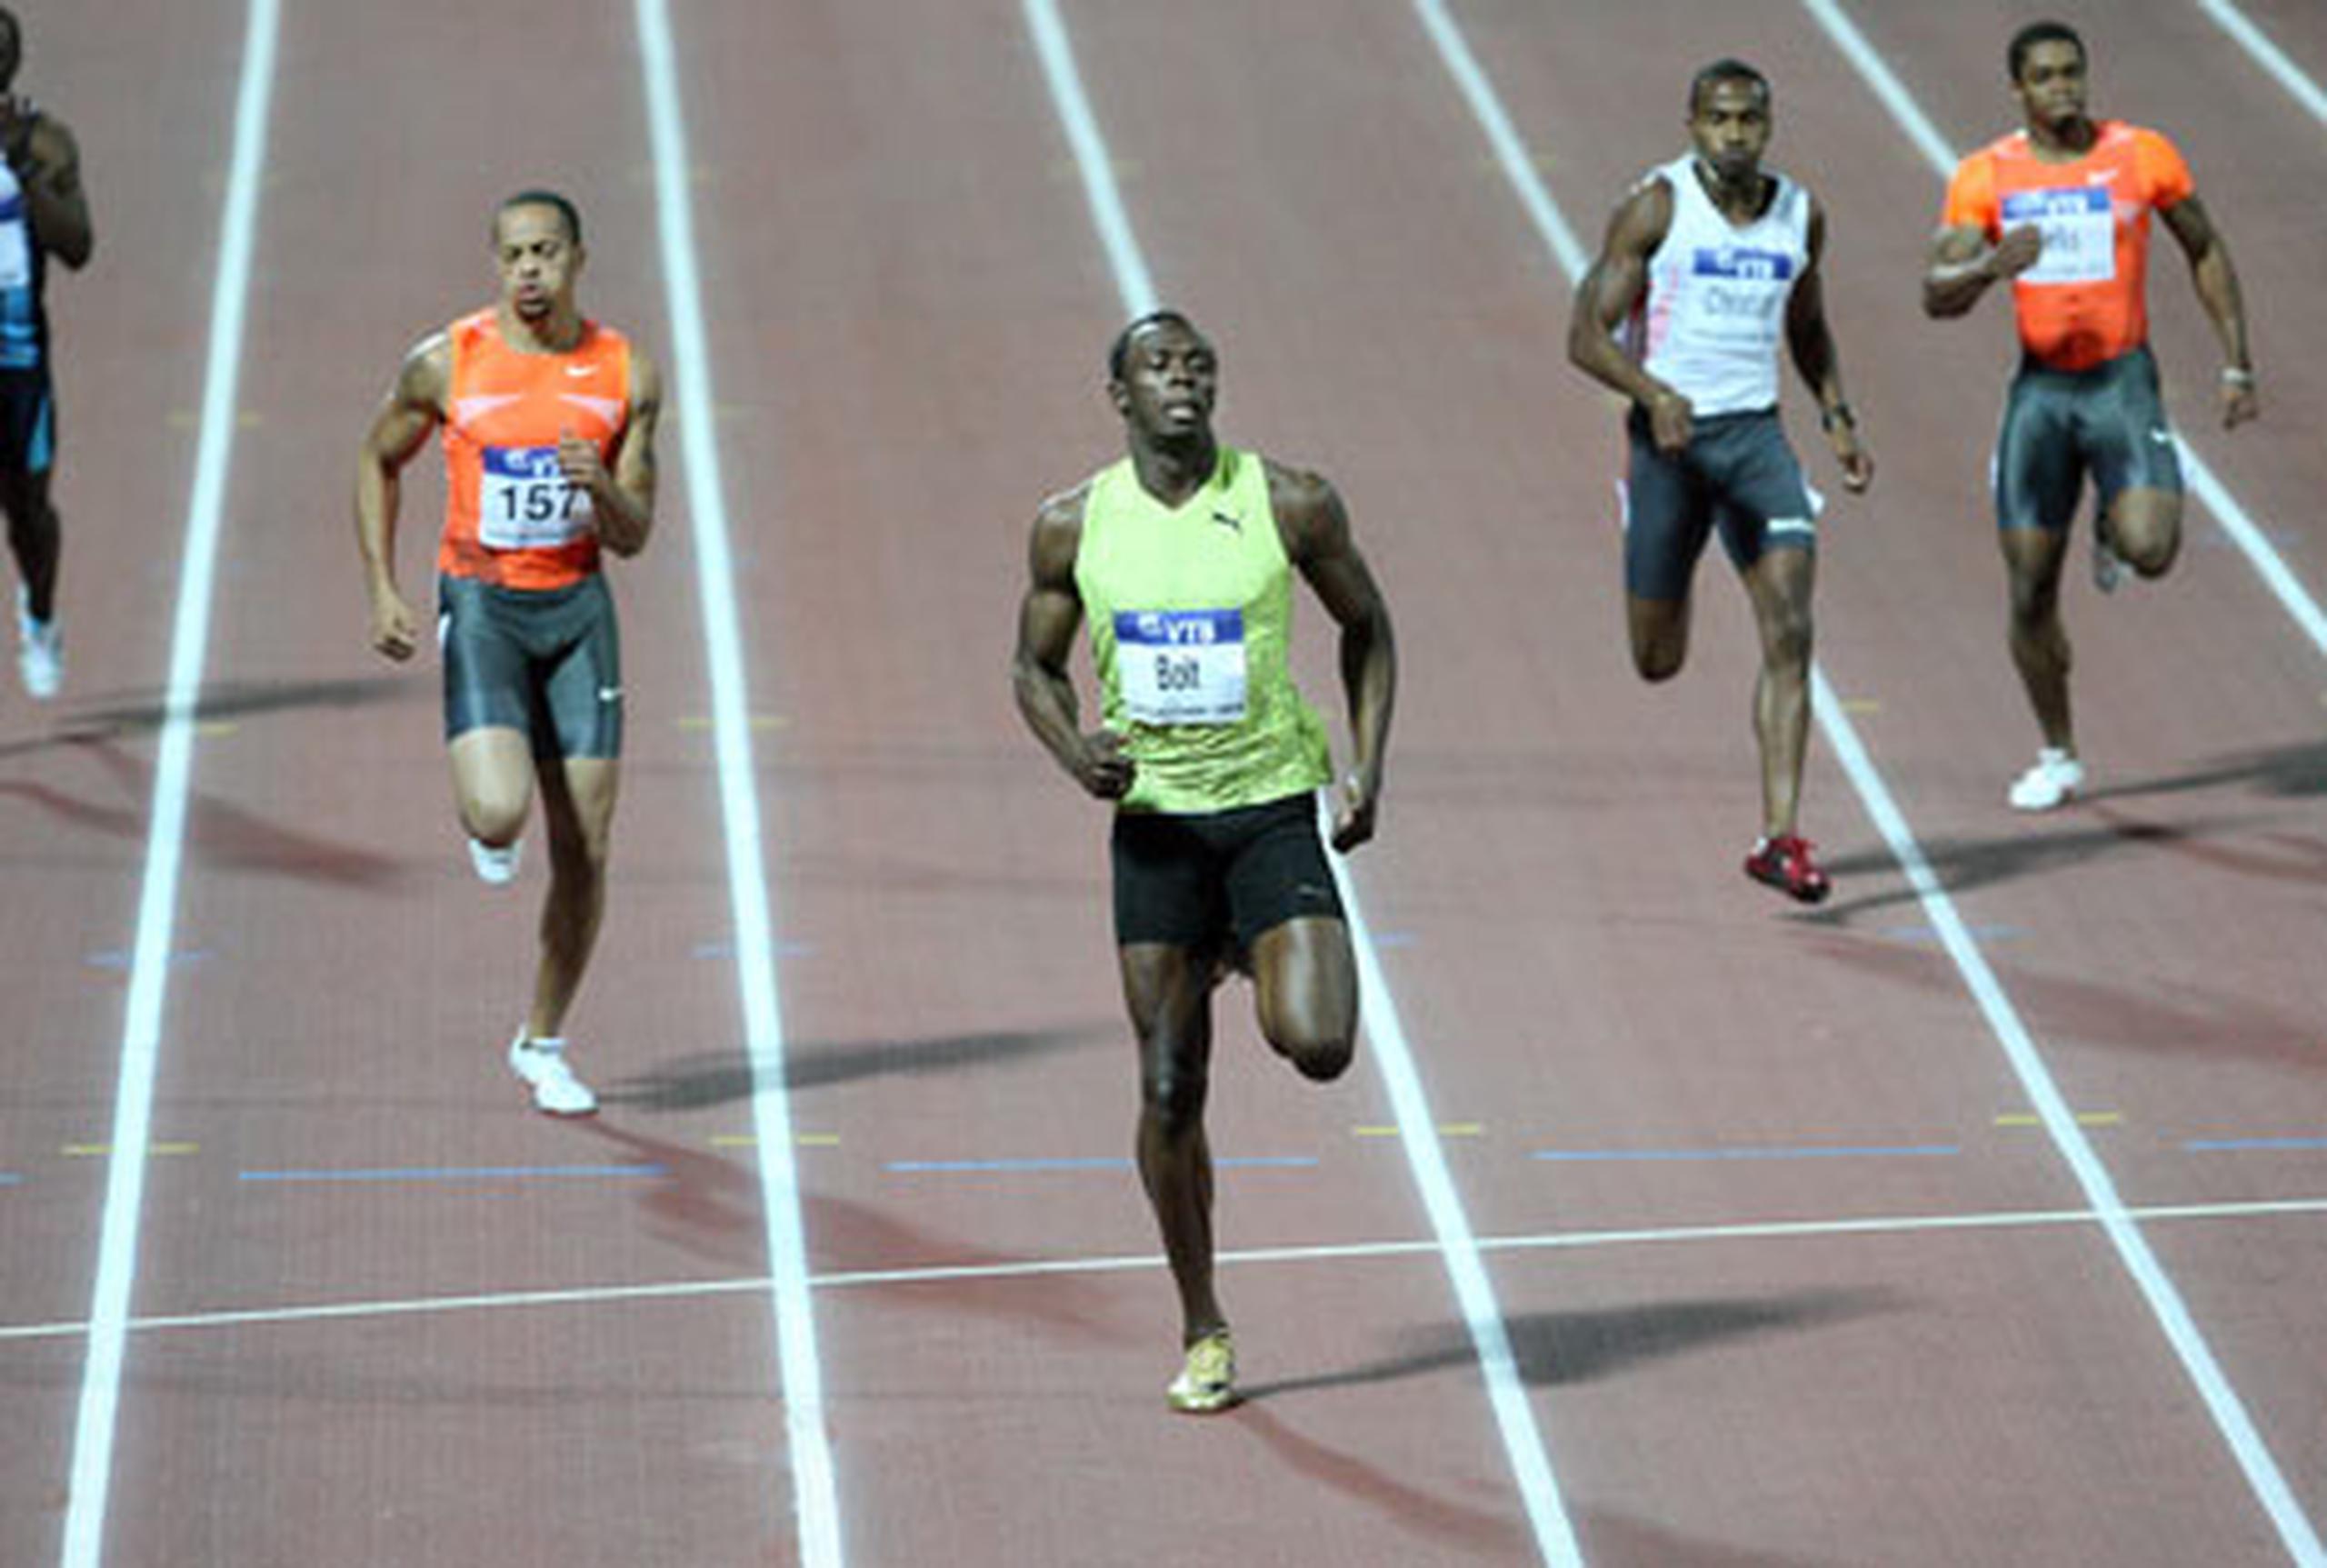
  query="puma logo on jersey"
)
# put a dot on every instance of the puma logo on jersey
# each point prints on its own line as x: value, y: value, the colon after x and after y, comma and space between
x: 1225, y: 521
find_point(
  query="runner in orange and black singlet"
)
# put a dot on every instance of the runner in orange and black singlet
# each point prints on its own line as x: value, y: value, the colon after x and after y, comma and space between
x: 549, y: 440
x: 2062, y: 208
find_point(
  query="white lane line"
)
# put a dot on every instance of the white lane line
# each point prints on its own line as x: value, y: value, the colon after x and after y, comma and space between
x: 2060, y: 1125
x: 1515, y: 1422
x: 141, y: 1043
x: 2269, y: 55
x: 815, y: 1489
x: 2270, y: 565
x: 1044, y: 1268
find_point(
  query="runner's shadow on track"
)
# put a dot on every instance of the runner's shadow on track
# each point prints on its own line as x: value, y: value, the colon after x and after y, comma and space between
x: 1615, y: 1539
x: 1964, y: 864
x: 1482, y: 1535
x: 1553, y: 1349
x: 724, y: 1077
x: 123, y: 713
x: 2200, y: 1021
x: 220, y: 835
x: 2296, y: 773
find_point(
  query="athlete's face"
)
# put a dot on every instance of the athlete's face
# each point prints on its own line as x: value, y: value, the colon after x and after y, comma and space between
x: 538, y: 260
x: 1730, y: 124
x: 1169, y: 382
x: 2051, y: 85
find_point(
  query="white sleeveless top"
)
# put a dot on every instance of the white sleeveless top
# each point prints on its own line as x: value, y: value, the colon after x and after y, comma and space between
x: 1710, y: 321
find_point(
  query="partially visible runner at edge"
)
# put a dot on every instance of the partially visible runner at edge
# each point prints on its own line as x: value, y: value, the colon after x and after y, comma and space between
x: 1181, y: 556
x: 1709, y: 264
x: 2062, y: 208
x: 44, y: 212
x: 549, y: 452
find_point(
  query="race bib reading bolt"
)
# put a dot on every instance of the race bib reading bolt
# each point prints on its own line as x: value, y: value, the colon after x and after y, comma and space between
x: 1181, y: 666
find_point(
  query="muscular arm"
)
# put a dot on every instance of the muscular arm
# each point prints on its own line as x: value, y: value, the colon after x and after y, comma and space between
x: 48, y: 164
x: 1963, y: 266
x: 1048, y: 617
x: 411, y: 411
x: 1316, y: 533
x: 2215, y: 278
x: 624, y: 499
x: 1610, y: 291
x: 1812, y: 343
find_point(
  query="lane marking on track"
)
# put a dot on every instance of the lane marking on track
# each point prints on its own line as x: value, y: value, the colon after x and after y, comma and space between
x: 2269, y: 55
x: 815, y: 1489
x: 2250, y: 1145
x: 1871, y: 1226
x: 2222, y: 1402
x: 2083, y: 1119
x: 92, y: 1151
x: 2250, y: 538
x: 1085, y: 1163
x: 90, y: 1481
x: 2003, y: 1020
x: 1516, y: 1423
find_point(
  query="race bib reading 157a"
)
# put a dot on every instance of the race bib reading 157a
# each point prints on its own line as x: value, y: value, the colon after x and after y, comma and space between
x: 526, y: 503
x: 1181, y: 666
x: 2080, y: 229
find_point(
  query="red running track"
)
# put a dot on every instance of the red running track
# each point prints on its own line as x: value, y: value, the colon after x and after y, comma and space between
x: 1923, y: 1356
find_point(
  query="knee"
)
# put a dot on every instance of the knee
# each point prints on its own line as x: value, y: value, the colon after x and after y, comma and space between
x: 1170, y: 1097
x: 1786, y: 639
x: 493, y: 815
x: 2152, y: 556
x: 2035, y: 601
x: 1658, y: 659
x: 1322, y: 1061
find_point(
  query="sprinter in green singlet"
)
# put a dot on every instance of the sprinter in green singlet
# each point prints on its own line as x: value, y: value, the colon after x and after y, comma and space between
x: 1181, y: 556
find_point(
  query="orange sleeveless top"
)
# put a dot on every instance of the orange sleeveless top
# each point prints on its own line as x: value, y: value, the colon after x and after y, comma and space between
x: 510, y: 517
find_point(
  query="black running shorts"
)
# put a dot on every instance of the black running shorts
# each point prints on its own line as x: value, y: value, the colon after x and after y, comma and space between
x: 1194, y: 881
x: 2061, y: 424
x: 1737, y: 475
x: 546, y: 662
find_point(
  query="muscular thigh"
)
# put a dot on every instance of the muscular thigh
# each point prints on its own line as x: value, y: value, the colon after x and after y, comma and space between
x: 1763, y: 501
x: 1667, y: 517
x: 2122, y: 422
x: 2038, y: 466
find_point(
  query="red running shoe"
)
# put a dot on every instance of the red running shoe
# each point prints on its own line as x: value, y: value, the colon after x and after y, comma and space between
x: 1785, y: 864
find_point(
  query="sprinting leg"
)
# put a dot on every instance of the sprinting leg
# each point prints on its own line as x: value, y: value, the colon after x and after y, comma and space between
x: 1168, y: 990
x: 1659, y: 630
x: 2145, y: 529
x: 1304, y: 982
x: 2040, y: 644
x: 578, y: 797
x: 1780, y: 585
x: 34, y: 538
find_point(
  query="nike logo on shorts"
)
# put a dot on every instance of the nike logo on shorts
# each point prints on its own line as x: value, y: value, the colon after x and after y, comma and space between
x: 610, y: 694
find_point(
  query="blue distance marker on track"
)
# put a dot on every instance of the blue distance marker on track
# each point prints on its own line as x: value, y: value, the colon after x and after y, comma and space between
x: 2250, y: 1145
x: 10, y: 1179
x: 453, y: 1173
x: 1768, y: 1151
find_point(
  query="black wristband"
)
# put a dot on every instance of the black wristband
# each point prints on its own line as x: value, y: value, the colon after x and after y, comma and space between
x: 1839, y: 415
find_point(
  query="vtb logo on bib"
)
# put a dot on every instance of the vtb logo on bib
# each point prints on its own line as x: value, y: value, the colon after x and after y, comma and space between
x: 1181, y: 666
x: 525, y: 502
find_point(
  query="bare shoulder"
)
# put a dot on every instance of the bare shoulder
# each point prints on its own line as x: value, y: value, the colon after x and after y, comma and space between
x: 1058, y: 536
x: 1645, y: 214
x: 53, y: 146
x: 1309, y: 512
x: 424, y: 380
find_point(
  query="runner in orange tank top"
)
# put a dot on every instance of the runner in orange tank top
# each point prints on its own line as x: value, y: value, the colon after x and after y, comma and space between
x: 2062, y: 208
x: 549, y: 446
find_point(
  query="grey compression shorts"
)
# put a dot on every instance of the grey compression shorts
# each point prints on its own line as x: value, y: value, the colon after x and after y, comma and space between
x: 2061, y: 424
x: 1737, y: 475
x: 545, y: 662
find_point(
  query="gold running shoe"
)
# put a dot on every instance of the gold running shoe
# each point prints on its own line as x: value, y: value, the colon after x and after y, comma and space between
x: 1208, y: 1382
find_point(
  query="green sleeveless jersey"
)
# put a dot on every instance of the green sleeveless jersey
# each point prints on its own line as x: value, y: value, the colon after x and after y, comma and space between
x: 1191, y: 609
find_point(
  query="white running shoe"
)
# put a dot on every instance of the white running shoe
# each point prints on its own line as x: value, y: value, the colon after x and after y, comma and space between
x: 2053, y: 781
x: 542, y: 1063
x: 40, y: 651
x: 497, y: 866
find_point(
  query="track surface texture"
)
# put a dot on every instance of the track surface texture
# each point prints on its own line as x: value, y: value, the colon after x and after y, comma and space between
x: 1972, y: 1217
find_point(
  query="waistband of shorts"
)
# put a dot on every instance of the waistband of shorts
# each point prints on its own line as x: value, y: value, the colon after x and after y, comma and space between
x: 2032, y: 367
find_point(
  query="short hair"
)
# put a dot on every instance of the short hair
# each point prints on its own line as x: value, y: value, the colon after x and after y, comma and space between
x: 1119, y: 351
x: 542, y: 198
x: 2036, y: 33
x: 1728, y: 69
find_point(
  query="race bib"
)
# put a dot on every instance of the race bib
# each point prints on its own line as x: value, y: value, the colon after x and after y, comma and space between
x: 526, y: 503
x: 16, y: 240
x: 2080, y: 229
x: 1181, y: 666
